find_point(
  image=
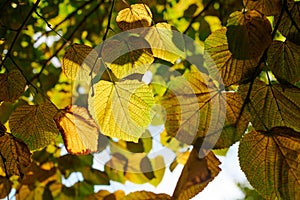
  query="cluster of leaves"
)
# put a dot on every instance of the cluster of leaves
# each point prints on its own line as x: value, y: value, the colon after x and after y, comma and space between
x: 247, y: 74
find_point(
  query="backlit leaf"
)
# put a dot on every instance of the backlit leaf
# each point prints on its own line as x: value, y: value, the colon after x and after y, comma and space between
x: 166, y: 43
x: 12, y: 85
x: 14, y: 155
x: 5, y: 187
x: 80, y: 132
x: 270, y: 161
x: 122, y: 109
x: 145, y: 195
x: 221, y: 61
x: 135, y: 16
x: 34, y: 124
x: 267, y: 7
x: 196, y: 174
x: 132, y: 53
x: 273, y: 105
x: 78, y: 62
x: 284, y: 60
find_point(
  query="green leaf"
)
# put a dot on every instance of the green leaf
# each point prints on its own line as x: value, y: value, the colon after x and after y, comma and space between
x: 77, y: 191
x: 145, y: 195
x: 284, y: 61
x: 94, y: 176
x: 34, y: 124
x: 273, y: 105
x: 122, y: 109
x: 196, y: 174
x: 270, y: 160
x: 12, y: 85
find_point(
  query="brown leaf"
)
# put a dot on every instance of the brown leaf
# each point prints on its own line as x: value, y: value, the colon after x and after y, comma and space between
x: 267, y: 7
x: 5, y: 187
x: 145, y: 195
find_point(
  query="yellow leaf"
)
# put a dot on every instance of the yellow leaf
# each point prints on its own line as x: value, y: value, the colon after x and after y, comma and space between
x: 12, y: 85
x: 34, y: 124
x: 196, y: 174
x: 135, y: 16
x: 79, y: 61
x: 79, y: 130
x: 145, y: 195
x: 122, y: 109
x: 15, y: 155
x: 106, y: 195
x: 271, y: 160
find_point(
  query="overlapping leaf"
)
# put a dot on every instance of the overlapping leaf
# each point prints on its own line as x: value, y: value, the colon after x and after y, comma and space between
x: 125, y: 55
x: 104, y: 194
x: 80, y: 132
x: 79, y: 61
x: 196, y: 174
x: 145, y: 195
x: 267, y: 7
x: 14, y: 155
x: 34, y: 124
x: 284, y: 60
x: 273, y: 105
x: 5, y: 187
x: 135, y: 16
x: 122, y: 109
x: 95, y: 176
x: 12, y: 85
x: 270, y: 161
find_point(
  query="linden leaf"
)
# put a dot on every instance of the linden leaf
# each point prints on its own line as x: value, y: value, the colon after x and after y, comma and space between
x: 80, y: 132
x: 122, y: 109
x: 5, y: 187
x: 273, y: 105
x: 78, y: 62
x: 166, y: 43
x: 145, y: 195
x: 135, y: 16
x: 106, y: 195
x: 248, y: 34
x: 222, y: 62
x: 284, y: 60
x: 14, y: 155
x: 196, y: 174
x: 12, y: 85
x: 124, y: 55
x: 267, y: 7
x: 271, y: 162
x: 94, y: 176
x: 34, y: 124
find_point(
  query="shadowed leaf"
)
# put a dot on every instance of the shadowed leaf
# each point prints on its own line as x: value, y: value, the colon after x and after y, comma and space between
x: 267, y: 7
x: 270, y: 161
x: 34, y: 124
x: 144, y: 195
x: 94, y: 176
x: 5, y: 186
x: 12, y: 85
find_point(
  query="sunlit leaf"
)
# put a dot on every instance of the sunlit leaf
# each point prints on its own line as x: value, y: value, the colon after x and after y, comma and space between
x: 116, y: 167
x: 196, y: 174
x: 34, y: 124
x: 270, y: 161
x: 135, y: 16
x: 284, y: 60
x: 79, y: 61
x: 248, y: 34
x: 80, y: 132
x: 267, y: 7
x: 126, y: 55
x: 94, y: 176
x: 166, y: 43
x: 145, y: 195
x: 106, y: 195
x: 14, y: 155
x: 122, y: 109
x: 221, y: 61
x: 5, y: 187
x: 273, y: 105
x: 12, y: 85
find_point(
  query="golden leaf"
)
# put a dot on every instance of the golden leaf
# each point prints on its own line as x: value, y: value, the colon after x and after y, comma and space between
x: 145, y: 195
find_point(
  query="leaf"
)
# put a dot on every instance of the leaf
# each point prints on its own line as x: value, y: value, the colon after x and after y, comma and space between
x: 5, y: 187
x: 166, y: 42
x: 135, y: 16
x: 79, y: 61
x: 94, y: 176
x: 80, y: 132
x: 106, y: 195
x: 12, y: 85
x: 126, y: 55
x: 122, y: 109
x: 248, y: 34
x: 34, y: 124
x: 273, y: 105
x: 267, y: 7
x: 284, y: 61
x: 14, y: 156
x: 223, y: 64
x: 196, y: 174
x: 37, y: 173
x: 270, y: 161
x: 145, y: 195
x: 77, y: 191
x: 116, y: 167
